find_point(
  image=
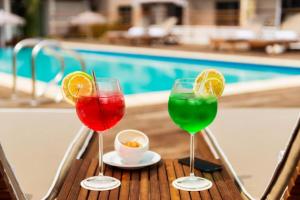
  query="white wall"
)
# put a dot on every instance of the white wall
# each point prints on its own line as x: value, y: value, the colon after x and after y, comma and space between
x: 113, y: 6
x: 202, y: 12
x: 266, y: 10
x: 60, y: 13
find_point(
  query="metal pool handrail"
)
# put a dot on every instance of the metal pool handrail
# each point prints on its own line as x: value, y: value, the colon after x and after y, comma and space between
x: 45, y: 44
x: 38, y: 45
x: 30, y: 42
x: 76, y: 56
x: 59, y: 75
x: 37, y: 48
x: 73, y: 54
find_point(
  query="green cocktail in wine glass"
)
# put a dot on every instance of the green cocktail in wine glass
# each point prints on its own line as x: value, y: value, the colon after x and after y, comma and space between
x: 193, y: 106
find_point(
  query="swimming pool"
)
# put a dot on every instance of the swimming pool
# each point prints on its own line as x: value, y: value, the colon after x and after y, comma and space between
x: 142, y: 73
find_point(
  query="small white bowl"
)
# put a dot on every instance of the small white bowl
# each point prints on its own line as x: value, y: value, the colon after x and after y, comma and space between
x: 131, y: 155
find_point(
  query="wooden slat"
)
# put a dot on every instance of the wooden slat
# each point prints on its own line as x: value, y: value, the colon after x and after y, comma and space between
x: 135, y: 185
x: 124, y: 191
x: 206, y: 154
x: 224, y: 188
x: 90, y: 172
x: 105, y: 194
x: 163, y: 182
x: 231, y: 185
x: 114, y: 194
x: 214, y: 192
x: 154, y: 188
x: 205, y: 195
x: 79, y: 177
x: 66, y: 187
x: 194, y: 195
x: 179, y: 173
x: 144, y: 184
x: 172, y: 176
x: 221, y: 186
x: 93, y: 195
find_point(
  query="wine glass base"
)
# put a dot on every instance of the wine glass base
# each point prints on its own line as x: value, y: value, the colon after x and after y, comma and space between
x: 192, y: 183
x: 100, y: 183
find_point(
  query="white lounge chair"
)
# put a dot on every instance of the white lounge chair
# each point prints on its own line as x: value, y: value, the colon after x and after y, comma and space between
x: 280, y: 183
x: 147, y: 35
x: 252, y: 152
x: 10, y: 188
x: 253, y: 39
x: 38, y: 147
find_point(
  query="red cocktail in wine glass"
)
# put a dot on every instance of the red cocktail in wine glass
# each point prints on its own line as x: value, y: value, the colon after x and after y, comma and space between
x: 100, y: 111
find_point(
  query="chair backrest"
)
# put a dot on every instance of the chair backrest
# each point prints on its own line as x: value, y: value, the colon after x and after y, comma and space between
x: 169, y: 23
x: 9, y: 186
x: 285, y: 168
x: 74, y: 151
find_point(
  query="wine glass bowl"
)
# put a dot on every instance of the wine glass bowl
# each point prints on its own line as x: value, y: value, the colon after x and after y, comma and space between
x: 101, y: 111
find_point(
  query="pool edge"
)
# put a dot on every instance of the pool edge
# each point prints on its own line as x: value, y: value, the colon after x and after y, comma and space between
x: 155, y: 98
x: 276, y: 62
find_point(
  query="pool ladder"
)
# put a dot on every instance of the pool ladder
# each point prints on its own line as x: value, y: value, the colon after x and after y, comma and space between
x: 50, y: 47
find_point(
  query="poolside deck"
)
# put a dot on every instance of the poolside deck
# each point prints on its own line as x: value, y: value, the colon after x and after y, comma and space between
x: 162, y: 128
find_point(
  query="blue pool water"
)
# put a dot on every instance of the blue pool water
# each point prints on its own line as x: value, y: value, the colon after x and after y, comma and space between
x: 142, y: 73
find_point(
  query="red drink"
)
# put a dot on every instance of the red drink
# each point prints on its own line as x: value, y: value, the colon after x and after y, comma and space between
x: 100, y: 113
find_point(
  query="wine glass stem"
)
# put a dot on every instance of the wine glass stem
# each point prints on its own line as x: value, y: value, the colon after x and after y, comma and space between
x: 101, y: 166
x: 192, y: 155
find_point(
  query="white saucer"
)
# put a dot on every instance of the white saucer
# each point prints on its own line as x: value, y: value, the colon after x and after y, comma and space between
x: 112, y: 158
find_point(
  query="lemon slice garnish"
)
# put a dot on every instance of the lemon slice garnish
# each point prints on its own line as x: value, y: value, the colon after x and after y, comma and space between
x: 209, y: 82
x: 76, y: 84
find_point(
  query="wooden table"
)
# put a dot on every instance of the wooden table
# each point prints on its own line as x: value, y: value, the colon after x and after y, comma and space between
x: 148, y: 183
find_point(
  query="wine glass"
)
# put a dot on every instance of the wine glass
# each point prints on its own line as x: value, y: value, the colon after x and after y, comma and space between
x: 192, y: 112
x: 100, y: 111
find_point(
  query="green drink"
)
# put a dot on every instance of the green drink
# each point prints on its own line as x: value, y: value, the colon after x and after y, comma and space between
x: 193, y: 105
x: 192, y: 113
